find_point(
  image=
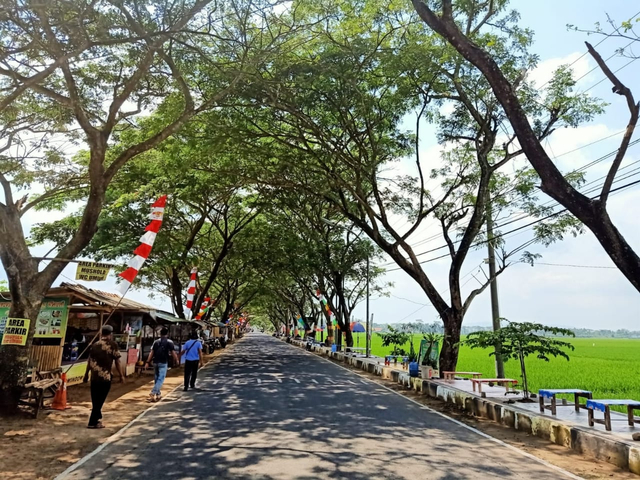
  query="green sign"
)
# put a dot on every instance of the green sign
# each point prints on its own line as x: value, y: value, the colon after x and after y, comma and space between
x: 52, y: 319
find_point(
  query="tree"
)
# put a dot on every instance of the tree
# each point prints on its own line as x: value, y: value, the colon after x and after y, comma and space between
x: 396, y: 338
x: 626, y: 30
x: 329, y: 124
x: 520, y: 340
x: 88, y: 72
x: 443, y: 17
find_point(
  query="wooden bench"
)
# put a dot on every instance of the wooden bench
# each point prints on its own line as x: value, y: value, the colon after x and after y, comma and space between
x: 551, y: 394
x: 452, y: 375
x: 603, y: 406
x: 508, y: 383
x: 43, y: 385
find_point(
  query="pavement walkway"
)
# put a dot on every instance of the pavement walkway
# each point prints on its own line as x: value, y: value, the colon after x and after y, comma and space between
x: 268, y: 410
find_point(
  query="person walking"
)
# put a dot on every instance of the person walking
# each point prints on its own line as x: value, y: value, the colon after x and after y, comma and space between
x: 192, y: 351
x: 162, y: 350
x: 101, y: 357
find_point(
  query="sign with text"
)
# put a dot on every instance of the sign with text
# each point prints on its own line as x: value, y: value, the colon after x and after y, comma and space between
x: 16, y: 331
x: 52, y: 319
x: 92, y: 272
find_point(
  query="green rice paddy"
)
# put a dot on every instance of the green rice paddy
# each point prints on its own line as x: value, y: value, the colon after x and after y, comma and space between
x: 609, y: 367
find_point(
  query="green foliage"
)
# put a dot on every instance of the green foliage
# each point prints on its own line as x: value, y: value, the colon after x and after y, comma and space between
x: 397, y: 339
x: 520, y: 340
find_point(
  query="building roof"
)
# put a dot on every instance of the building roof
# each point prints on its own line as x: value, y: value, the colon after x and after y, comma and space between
x: 101, y: 297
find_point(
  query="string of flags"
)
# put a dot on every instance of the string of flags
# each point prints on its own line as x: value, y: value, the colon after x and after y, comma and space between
x: 142, y: 252
x: 203, y: 308
x: 325, y: 305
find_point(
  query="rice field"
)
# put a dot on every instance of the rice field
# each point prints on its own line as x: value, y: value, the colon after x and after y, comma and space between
x: 609, y: 367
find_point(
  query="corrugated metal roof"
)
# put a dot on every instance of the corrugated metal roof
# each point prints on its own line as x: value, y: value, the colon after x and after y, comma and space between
x: 108, y: 298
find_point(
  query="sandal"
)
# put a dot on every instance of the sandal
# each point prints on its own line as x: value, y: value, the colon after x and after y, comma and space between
x: 99, y: 425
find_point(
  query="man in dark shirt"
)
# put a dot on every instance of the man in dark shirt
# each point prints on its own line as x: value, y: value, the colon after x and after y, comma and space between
x: 101, y: 357
x: 161, y: 350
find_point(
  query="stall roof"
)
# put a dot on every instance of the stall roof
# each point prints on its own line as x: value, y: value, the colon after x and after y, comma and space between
x: 170, y: 317
x: 109, y: 299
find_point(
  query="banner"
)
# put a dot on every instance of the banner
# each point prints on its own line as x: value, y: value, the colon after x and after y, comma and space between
x: 52, y: 319
x: 92, y: 272
x: 16, y: 331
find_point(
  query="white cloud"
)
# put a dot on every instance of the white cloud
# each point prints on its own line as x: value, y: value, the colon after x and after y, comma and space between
x: 544, y: 71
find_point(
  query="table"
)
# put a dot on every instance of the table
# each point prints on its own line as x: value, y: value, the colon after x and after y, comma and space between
x: 509, y: 383
x: 551, y: 394
x: 603, y: 406
x: 452, y: 375
x: 355, y: 349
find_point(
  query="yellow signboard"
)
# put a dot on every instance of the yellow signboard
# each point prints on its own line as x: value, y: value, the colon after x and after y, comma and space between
x: 92, y: 272
x: 16, y: 331
x: 75, y: 374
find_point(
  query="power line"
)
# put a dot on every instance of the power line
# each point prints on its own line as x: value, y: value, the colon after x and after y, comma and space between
x: 575, y: 266
x: 628, y: 185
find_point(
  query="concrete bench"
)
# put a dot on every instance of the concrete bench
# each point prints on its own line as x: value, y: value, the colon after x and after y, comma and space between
x: 551, y: 394
x: 508, y: 383
x: 603, y: 406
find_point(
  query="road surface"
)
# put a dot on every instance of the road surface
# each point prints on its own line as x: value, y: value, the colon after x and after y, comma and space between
x: 268, y: 410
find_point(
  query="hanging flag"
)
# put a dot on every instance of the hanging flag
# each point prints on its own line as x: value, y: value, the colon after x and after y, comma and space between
x: 203, y: 308
x: 146, y: 243
x: 191, y: 289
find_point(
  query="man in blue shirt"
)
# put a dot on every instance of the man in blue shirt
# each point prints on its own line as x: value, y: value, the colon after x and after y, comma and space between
x: 192, y: 350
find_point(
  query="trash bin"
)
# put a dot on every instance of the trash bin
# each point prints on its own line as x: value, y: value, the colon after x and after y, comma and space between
x: 414, y: 370
x: 334, y: 347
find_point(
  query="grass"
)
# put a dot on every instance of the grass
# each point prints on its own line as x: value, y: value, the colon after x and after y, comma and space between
x: 609, y: 367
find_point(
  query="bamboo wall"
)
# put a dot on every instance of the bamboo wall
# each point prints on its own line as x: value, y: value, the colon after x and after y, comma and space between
x: 46, y: 357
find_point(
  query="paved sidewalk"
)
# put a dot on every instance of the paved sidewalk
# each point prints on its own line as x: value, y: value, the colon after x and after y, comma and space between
x: 272, y: 411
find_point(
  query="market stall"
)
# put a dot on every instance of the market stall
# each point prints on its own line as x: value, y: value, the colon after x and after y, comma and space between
x: 71, y: 317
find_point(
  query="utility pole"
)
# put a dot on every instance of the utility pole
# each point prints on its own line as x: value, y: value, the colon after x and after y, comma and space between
x: 495, y: 306
x: 368, y: 326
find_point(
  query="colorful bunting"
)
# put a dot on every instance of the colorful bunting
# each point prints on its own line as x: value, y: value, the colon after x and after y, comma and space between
x: 143, y: 251
x: 203, y: 308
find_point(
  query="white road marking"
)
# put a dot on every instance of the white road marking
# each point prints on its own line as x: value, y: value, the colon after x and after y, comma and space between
x: 464, y: 425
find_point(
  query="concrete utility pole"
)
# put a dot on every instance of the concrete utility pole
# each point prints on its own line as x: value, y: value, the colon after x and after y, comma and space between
x: 495, y: 307
x: 368, y: 326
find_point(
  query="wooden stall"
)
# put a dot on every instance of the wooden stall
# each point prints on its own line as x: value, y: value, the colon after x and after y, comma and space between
x: 70, y: 319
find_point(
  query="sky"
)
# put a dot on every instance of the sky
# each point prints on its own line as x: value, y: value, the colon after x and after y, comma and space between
x: 579, y: 287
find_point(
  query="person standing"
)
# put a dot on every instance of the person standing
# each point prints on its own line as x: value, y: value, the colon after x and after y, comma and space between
x: 101, y: 357
x: 161, y: 351
x: 192, y: 351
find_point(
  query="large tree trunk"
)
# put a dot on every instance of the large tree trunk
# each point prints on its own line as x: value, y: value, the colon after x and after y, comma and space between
x: 176, y: 293
x: 14, y: 360
x: 348, y: 336
x: 451, y: 342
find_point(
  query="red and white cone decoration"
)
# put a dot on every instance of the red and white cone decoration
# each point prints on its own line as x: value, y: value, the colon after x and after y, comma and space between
x: 191, y: 289
x: 143, y: 251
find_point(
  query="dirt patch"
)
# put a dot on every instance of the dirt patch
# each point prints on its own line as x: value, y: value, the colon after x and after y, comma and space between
x: 41, y: 449
x: 562, y: 457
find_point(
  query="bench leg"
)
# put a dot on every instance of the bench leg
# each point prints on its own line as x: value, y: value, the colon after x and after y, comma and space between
x: 630, y: 415
x: 591, y: 422
x: 553, y: 405
x: 607, y: 418
x: 576, y: 401
x: 541, y: 403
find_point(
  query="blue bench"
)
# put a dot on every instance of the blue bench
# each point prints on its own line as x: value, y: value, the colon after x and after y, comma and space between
x: 551, y: 394
x: 603, y: 406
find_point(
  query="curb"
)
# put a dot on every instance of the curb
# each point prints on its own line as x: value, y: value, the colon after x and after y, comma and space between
x: 575, y: 437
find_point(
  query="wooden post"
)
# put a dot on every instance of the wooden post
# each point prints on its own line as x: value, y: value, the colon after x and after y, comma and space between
x: 630, y: 415
x: 607, y: 418
x: 553, y: 404
x: 541, y: 403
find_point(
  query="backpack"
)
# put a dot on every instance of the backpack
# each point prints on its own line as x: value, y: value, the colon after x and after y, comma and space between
x: 163, y: 344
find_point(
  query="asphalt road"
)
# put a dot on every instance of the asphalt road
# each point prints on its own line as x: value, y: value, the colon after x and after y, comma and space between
x: 268, y: 410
